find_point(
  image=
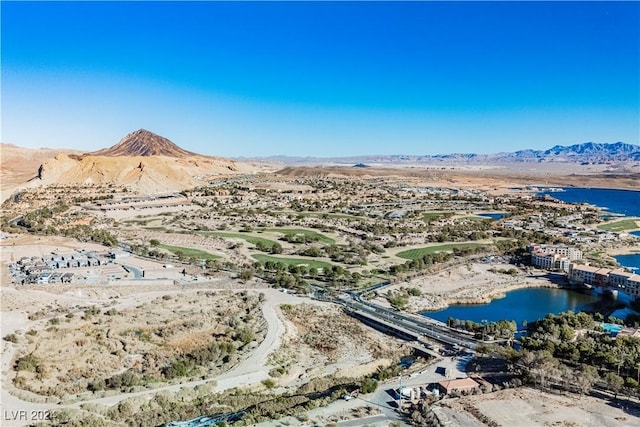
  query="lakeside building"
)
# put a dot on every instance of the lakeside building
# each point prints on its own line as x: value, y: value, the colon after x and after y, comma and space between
x: 553, y: 257
x: 618, y: 279
x: 570, y: 252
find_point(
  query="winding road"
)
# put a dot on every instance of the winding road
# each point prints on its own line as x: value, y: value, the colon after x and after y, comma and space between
x: 252, y: 370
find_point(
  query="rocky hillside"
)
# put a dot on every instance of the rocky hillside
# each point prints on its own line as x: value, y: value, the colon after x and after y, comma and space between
x: 141, y: 160
x: 143, y: 143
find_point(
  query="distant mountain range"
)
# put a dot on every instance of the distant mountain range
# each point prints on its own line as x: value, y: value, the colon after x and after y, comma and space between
x: 586, y: 153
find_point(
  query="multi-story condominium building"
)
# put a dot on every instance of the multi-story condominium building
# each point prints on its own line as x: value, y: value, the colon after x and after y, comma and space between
x: 553, y: 257
x: 550, y: 261
x: 570, y: 252
x: 543, y: 260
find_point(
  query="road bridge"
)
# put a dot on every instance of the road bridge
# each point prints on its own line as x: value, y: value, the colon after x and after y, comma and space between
x: 407, y: 326
x: 382, y: 325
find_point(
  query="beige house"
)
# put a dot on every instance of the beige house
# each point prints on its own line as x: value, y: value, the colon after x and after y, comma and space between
x: 459, y: 385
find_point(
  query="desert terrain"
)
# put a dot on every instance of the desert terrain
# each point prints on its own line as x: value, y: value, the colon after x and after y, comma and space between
x: 143, y: 285
x: 530, y: 408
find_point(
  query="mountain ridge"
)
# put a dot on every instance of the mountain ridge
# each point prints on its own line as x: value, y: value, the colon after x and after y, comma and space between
x: 588, y: 152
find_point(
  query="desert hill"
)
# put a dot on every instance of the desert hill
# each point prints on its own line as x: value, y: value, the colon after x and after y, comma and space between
x: 141, y: 160
x: 18, y: 164
x: 143, y: 143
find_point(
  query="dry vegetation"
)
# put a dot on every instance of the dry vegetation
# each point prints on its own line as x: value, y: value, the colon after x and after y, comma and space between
x: 170, y: 337
x: 322, y: 335
x: 471, y: 283
x: 334, y: 334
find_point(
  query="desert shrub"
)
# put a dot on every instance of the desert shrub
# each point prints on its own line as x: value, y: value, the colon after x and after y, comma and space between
x: 92, y: 311
x: 269, y: 383
x: 369, y: 385
x: 245, y: 336
x: 27, y: 363
x: 97, y: 385
x: 125, y: 379
x: 414, y: 292
x: 180, y: 368
x: 11, y: 338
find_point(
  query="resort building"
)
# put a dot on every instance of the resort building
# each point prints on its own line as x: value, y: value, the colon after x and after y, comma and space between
x: 570, y: 252
x: 618, y: 279
x: 553, y: 257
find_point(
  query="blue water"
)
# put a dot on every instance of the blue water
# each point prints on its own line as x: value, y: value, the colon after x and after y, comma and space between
x: 522, y: 304
x: 495, y: 216
x: 624, y: 202
x: 635, y: 233
x: 631, y: 261
x: 611, y: 328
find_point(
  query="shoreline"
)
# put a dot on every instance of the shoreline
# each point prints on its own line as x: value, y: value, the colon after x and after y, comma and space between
x: 434, y: 302
x: 502, y: 293
x: 487, y: 297
x: 633, y: 250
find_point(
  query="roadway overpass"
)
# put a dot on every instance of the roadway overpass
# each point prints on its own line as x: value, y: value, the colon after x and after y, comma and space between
x: 406, y: 326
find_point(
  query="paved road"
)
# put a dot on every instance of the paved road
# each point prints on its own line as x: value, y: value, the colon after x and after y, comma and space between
x: 375, y: 420
x: 137, y: 273
x: 423, y: 326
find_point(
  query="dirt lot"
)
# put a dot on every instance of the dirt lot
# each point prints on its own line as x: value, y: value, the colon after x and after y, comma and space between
x: 320, y: 339
x: 526, y: 407
x: 81, y: 348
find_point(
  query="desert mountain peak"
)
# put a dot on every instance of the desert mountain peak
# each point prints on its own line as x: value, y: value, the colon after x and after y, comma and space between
x: 143, y: 143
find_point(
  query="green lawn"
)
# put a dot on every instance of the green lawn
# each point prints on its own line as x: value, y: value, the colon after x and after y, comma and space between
x: 307, y: 233
x: 293, y: 261
x: 622, y: 225
x: 418, y: 253
x: 251, y: 239
x: 189, y: 252
x: 435, y: 216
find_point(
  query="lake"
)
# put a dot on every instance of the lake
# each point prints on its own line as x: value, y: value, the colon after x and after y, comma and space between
x: 635, y: 233
x: 534, y: 303
x: 523, y: 304
x: 624, y: 202
x: 631, y: 261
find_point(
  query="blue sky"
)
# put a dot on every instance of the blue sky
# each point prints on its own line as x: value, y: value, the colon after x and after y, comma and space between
x: 321, y: 78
